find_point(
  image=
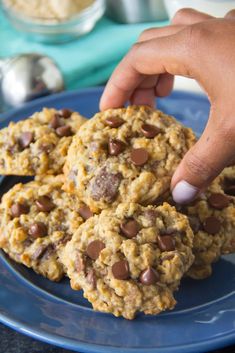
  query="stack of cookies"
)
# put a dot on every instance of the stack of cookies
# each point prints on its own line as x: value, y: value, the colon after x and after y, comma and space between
x: 99, y: 208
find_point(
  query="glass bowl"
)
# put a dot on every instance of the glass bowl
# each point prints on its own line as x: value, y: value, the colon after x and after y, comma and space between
x: 49, y: 31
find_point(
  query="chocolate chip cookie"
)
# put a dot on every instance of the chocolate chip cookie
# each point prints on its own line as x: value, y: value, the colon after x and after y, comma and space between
x: 212, y: 218
x: 225, y: 182
x: 37, y: 220
x: 38, y: 145
x: 125, y: 155
x: 130, y: 259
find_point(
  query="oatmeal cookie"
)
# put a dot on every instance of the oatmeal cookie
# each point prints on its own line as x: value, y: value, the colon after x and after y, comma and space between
x: 125, y: 155
x: 38, y: 145
x: 212, y: 218
x: 226, y: 183
x: 130, y: 259
x: 37, y: 220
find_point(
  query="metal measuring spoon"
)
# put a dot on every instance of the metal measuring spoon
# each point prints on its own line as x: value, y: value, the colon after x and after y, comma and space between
x: 28, y: 76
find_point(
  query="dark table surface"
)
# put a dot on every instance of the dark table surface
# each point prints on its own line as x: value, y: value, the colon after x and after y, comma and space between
x: 13, y: 342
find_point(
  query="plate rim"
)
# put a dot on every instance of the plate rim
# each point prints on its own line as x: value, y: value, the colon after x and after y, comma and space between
x: 34, y: 288
x: 69, y: 343
x: 99, y: 89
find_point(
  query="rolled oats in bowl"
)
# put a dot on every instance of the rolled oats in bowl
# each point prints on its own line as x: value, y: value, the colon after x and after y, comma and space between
x: 53, y: 21
x: 48, y: 10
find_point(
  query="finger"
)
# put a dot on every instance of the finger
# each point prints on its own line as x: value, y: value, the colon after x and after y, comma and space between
x: 120, y: 86
x: 188, y: 16
x: 145, y: 93
x: 159, y: 86
x: 230, y: 14
x: 203, y: 162
x: 157, y: 32
x: 164, y: 85
x: 143, y: 96
x: 156, y: 56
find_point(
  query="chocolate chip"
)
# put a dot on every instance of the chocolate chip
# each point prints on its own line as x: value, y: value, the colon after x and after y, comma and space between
x: 150, y: 216
x: 130, y: 228
x: 64, y: 131
x: 166, y: 243
x: 94, y: 248
x: 48, y: 252
x: 139, y: 156
x: 66, y: 113
x: 43, y: 251
x: 212, y: 225
x: 194, y: 223
x: 167, y: 257
x: 80, y: 263
x: 91, y: 278
x: 64, y: 240
x: 114, y: 121
x: 85, y: 212
x: 46, y: 147
x: 25, y: 139
x: 120, y: 270
x: 18, y: 209
x: 150, y: 131
x: 230, y: 190
x: 38, y: 230
x: 169, y: 231
x: 44, y: 204
x: 218, y: 201
x: 149, y: 276
x: 229, y: 186
x: 116, y: 147
x: 159, y: 200
x: 38, y: 253
x: 27, y: 242
x: 55, y: 121
x: 105, y: 185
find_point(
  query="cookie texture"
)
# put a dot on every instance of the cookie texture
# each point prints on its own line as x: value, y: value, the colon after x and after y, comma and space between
x: 130, y: 259
x: 37, y: 220
x: 212, y: 218
x: 226, y: 185
x: 125, y: 155
x: 39, y: 144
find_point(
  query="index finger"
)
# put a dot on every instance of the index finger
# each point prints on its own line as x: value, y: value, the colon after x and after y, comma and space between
x: 166, y: 54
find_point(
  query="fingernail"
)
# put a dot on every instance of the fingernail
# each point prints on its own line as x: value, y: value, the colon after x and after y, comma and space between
x: 184, y: 192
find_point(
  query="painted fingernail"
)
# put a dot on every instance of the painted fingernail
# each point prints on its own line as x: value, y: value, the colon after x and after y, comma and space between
x: 184, y: 192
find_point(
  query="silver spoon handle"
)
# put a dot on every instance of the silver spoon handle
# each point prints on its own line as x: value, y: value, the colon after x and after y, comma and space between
x: 2, y: 63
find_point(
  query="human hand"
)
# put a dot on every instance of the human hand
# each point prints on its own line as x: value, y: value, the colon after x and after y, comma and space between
x: 197, y: 46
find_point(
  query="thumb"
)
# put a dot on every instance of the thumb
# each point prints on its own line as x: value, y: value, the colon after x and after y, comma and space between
x: 203, y: 162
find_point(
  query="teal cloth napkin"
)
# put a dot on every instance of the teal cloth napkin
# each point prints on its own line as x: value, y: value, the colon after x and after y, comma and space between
x: 87, y: 61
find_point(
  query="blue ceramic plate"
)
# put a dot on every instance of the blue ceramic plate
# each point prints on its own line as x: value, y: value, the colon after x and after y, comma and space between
x: 203, y: 319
